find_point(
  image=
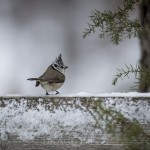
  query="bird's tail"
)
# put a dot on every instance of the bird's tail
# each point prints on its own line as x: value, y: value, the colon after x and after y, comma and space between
x: 33, y: 79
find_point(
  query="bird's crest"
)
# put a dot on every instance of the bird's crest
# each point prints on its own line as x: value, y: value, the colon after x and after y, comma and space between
x: 59, y: 61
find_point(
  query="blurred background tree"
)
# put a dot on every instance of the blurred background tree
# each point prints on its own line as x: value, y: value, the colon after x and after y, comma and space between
x: 118, y: 25
x: 145, y: 42
x: 33, y: 33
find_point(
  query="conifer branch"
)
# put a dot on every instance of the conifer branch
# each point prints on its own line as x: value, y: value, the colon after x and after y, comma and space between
x: 116, y: 25
x: 121, y: 73
x: 144, y: 74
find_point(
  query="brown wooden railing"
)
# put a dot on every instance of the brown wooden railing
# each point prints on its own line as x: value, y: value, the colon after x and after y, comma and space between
x: 71, y: 123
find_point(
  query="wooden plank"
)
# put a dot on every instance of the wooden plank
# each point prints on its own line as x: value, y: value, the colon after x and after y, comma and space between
x: 61, y: 123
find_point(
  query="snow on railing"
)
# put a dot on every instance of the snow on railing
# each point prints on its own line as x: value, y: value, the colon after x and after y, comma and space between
x: 79, y: 120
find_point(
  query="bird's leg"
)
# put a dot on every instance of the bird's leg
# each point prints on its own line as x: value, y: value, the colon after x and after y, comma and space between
x: 37, y: 83
x: 47, y: 93
x: 57, y: 92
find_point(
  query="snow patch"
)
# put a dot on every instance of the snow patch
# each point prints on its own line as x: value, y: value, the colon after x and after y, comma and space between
x: 113, y: 94
x: 86, y: 94
x: 60, y: 117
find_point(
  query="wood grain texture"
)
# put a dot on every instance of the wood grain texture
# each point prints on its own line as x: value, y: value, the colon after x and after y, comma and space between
x: 65, y: 123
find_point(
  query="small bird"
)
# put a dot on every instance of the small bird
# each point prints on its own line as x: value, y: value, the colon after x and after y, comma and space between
x: 53, y: 78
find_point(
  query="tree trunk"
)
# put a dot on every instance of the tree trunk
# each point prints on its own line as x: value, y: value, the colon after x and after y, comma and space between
x: 145, y: 43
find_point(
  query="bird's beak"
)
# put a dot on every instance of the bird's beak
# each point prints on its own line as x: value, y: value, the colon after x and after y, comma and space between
x: 66, y: 67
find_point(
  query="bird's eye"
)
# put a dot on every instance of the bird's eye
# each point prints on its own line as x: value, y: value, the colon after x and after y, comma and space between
x: 62, y: 67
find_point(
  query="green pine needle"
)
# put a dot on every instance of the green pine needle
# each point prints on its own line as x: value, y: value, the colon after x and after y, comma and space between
x: 116, y: 25
x: 144, y: 75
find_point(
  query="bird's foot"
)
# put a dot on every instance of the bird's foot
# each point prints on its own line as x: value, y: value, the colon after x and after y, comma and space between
x: 37, y: 83
x: 57, y: 92
x: 47, y: 93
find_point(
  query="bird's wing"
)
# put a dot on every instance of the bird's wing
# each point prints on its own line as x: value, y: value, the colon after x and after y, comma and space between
x: 52, y: 80
x: 52, y: 76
